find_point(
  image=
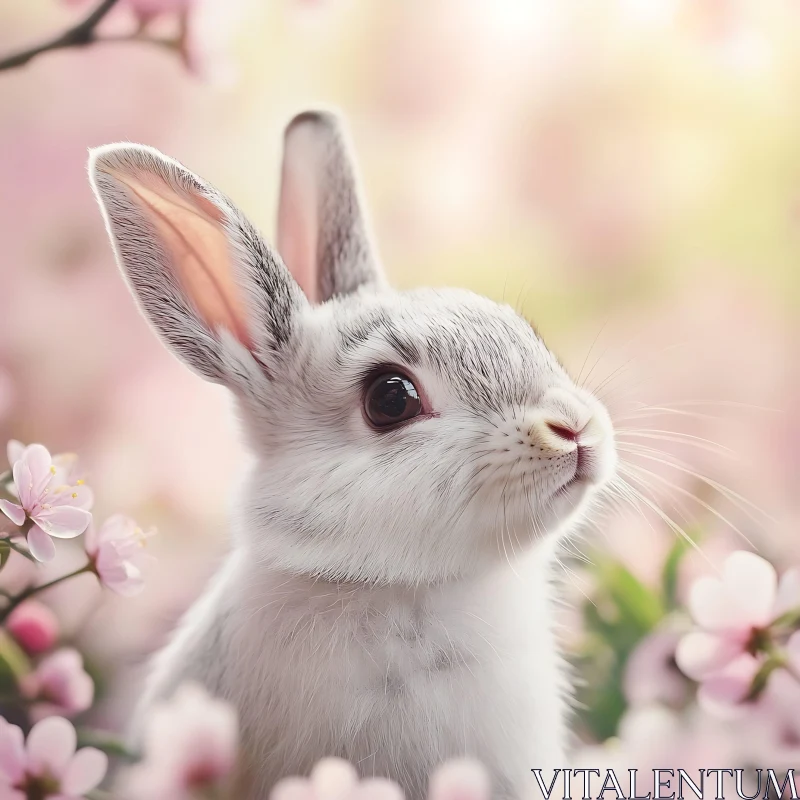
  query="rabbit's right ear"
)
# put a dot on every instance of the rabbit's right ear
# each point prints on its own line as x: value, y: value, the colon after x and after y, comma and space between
x: 197, y: 267
x: 323, y: 234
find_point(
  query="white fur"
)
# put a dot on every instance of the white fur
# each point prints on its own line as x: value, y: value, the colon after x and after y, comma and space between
x: 395, y: 680
x: 421, y: 628
x: 388, y: 595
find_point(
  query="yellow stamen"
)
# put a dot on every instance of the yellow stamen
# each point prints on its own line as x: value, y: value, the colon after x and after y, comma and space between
x: 74, y: 495
x: 81, y: 482
x: 52, y: 470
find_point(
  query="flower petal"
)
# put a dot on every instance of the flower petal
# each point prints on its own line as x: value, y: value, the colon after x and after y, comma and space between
x: 292, y: 789
x: 126, y: 580
x: 12, y: 751
x: 85, y: 498
x: 38, y: 460
x: 788, y: 592
x: 77, y: 496
x: 40, y: 544
x: 650, y: 674
x: 699, y: 653
x: 24, y: 485
x: 117, y: 526
x: 753, y: 581
x: 724, y: 691
x: 13, y: 511
x: 51, y: 745
x: 61, y: 680
x: 87, y: 768
x: 333, y: 779
x: 66, y: 468
x: 14, y: 451
x: 377, y: 789
x: 63, y: 522
x: 460, y: 780
x: 711, y: 607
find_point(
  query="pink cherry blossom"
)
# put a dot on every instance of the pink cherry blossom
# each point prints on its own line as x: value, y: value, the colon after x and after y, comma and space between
x: 190, y: 744
x: 47, y: 766
x: 205, y: 29
x: 650, y: 673
x: 67, y: 472
x: 460, y: 780
x: 34, y: 626
x: 113, y: 549
x: 331, y: 779
x: 59, y: 685
x: 722, y: 692
x: 207, y: 41
x: 335, y: 779
x: 55, y: 509
x: 731, y: 610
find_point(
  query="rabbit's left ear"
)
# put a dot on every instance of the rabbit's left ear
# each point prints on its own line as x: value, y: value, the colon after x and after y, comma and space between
x: 202, y: 274
x: 323, y: 237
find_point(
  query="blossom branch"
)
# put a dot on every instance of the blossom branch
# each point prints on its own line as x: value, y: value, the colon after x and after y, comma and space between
x: 108, y: 743
x: 82, y: 34
x: 32, y: 590
x: 17, y: 548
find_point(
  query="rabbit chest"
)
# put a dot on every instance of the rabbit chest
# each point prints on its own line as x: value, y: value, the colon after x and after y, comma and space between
x: 395, y: 681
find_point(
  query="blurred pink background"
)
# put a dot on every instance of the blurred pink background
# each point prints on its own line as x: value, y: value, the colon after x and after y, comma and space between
x: 626, y: 173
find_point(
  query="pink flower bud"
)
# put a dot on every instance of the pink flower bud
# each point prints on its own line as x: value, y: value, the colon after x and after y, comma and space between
x: 460, y: 780
x: 59, y: 685
x: 34, y: 626
x: 190, y: 745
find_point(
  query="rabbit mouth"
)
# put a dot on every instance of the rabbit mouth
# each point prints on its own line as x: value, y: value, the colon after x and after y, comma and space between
x: 590, y: 469
x: 587, y: 465
x: 577, y: 482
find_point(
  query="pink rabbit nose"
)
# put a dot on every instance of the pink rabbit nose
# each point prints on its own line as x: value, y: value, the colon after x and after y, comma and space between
x: 564, y: 432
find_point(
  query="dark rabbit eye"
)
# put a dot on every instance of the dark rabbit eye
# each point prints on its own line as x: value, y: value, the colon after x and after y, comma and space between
x: 391, y: 398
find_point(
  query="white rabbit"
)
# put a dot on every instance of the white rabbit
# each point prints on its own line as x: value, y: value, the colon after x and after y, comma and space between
x: 415, y: 458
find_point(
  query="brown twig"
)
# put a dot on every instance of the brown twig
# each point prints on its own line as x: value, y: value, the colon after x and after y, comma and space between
x: 32, y: 590
x: 82, y: 34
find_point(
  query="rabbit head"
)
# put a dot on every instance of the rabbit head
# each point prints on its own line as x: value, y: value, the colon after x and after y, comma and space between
x: 406, y: 437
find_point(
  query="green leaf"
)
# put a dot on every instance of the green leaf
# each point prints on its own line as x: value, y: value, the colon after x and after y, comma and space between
x: 638, y: 605
x: 13, y: 660
x: 622, y: 611
x: 5, y: 552
x: 669, y: 573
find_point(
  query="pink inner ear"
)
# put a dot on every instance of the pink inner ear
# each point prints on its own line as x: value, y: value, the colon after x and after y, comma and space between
x: 298, y: 223
x: 191, y: 228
